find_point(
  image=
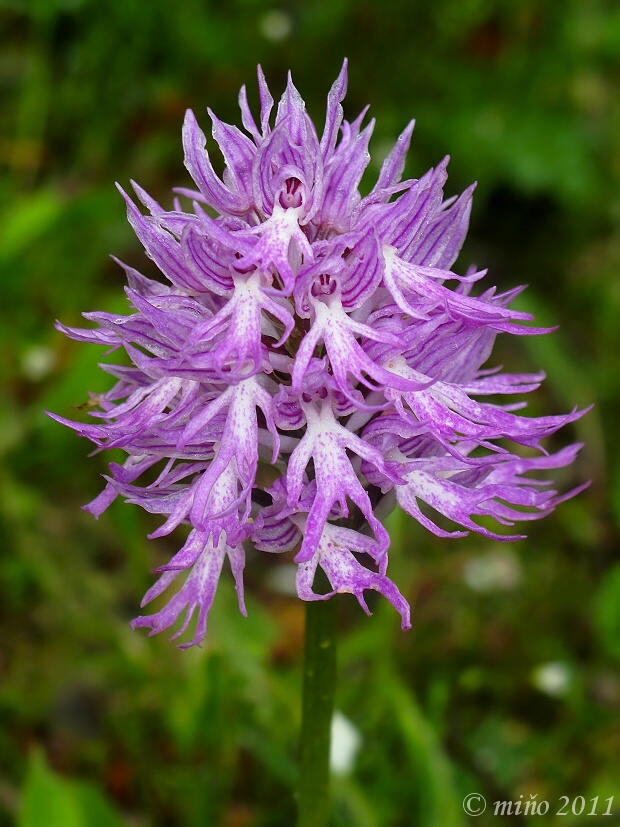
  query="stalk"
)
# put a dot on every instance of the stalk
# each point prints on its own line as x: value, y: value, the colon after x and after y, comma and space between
x: 319, y: 685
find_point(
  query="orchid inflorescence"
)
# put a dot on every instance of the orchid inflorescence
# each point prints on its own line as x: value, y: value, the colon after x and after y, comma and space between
x: 307, y: 362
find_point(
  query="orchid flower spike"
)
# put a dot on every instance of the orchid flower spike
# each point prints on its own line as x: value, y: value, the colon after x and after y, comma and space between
x: 306, y: 330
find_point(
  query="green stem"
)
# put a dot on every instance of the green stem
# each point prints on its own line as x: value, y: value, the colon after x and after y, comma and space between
x: 319, y: 687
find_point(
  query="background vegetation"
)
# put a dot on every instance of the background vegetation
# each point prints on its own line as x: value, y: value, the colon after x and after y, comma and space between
x: 509, y: 684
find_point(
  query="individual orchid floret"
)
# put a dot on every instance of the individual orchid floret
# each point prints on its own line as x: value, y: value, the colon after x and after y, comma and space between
x: 309, y: 358
x: 326, y: 442
x: 334, y: 553
x: 206, y: 560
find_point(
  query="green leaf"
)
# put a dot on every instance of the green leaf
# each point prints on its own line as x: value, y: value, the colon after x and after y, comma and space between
x: 47, y: 798
x: 55, y: 801
x: 95, y: 810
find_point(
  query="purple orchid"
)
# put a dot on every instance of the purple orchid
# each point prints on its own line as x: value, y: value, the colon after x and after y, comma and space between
x: 314, y: 330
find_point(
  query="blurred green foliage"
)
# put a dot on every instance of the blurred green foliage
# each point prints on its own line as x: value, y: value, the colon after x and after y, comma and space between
x: 56, y: 802
x: 509, y: 684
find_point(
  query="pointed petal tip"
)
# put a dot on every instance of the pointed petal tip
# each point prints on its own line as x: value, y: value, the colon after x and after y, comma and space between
x: 403, y: 141
x: 55, y: 417
x: 214, y: 119
x: 184, y: 646
x: 343, y: 73
x: 580, y: 488
x: 131, y: 205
